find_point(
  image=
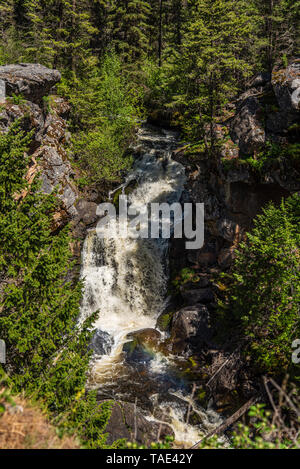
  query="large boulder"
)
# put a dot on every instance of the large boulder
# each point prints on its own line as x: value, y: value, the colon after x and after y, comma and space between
x: 33, y: 81
x: 101, y: 343
x: 191, y: 329
x: 148, y: 337
x: 57, y: 174
x: 127, y: 422
x: 142, y: 345
x: 246, y: 127
x: 286, y: 85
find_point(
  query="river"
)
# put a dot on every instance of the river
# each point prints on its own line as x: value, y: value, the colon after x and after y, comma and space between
x: 126, y: 281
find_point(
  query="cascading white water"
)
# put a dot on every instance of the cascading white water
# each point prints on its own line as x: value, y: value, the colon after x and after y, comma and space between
x: 126, y: 279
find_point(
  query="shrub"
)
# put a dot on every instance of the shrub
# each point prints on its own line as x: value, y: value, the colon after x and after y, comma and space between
x: 264, y: 286
x: 103, y: 120
x: 47, y: 352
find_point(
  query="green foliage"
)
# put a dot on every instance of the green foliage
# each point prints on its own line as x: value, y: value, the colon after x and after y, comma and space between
x: 47, y: 355
x: 267, y: 265
x: 186, y: 59
x: 164, y: 321
x: 105, y: 112
x: 129, y: 26
x: 58, y: 33
x: 260, y: 433
x: 272, y: 154
x: 190, y: 57
x: 277, y: 31
x: 16, y: 99
x: 186, y: 275
x: 5, y: 394
x: 213, y: 54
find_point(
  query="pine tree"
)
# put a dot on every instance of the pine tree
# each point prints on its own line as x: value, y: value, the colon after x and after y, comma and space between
x: 176, y: 17
x: 278, y: 32
x: 46, y: 351
x: 58, y: 33
x: 10, y: 47
x: 267, y: 265
x: 101, y: 21
x: 129, y: 27
x: 213, y: 61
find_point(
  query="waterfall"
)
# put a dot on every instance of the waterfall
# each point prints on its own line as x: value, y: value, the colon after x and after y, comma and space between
x: 126, y: 280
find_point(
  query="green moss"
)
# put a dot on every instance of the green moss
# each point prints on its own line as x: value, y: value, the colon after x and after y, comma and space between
x: 16, y: 99
x: 164, y: 321
x: 186, y: 275
x: 130, y: 347
x: 116, y: 196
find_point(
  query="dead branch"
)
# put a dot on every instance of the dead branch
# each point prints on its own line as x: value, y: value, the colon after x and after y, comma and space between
x: 228, y: 422
x: 286, y: 396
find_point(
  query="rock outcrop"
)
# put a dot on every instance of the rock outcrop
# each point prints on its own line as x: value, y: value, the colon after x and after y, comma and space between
x: 26, y: 85
x: 31, y: 81
x: 234, y: 191
x: 267, y: 110
x: 127, y: 422
x: 101, y: 343
x: 190, y: 329
x: 47, y: 122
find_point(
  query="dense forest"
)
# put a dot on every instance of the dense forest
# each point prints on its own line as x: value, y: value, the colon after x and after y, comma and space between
x: 179, y: 64
x: 125, y: 59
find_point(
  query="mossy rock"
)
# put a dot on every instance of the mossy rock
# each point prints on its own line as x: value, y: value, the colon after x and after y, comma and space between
x: 164, y: 321
x: 127, y: 191
x: 143, y: 345
x: 195, y: 419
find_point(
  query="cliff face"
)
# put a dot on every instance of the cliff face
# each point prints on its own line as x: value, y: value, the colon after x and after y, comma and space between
x: 261, y: 123
x: 28, y: 95
x: 27, y: 90
x: 230, y: 185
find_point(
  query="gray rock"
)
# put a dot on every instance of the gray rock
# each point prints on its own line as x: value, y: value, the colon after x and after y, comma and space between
x: 286, y: 85
x: 101, y: 343
x: 55, y: 174
x: 200, y: 295
x: 2, y: 91
x: 127, y: 422
x: 246, y: 129
x: 33, y: 81
x: 190, y: 328
x: 30, y: 116
x: 69, y: 197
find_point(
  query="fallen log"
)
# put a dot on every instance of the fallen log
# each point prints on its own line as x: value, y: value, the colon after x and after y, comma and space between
x: 228, y: 422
